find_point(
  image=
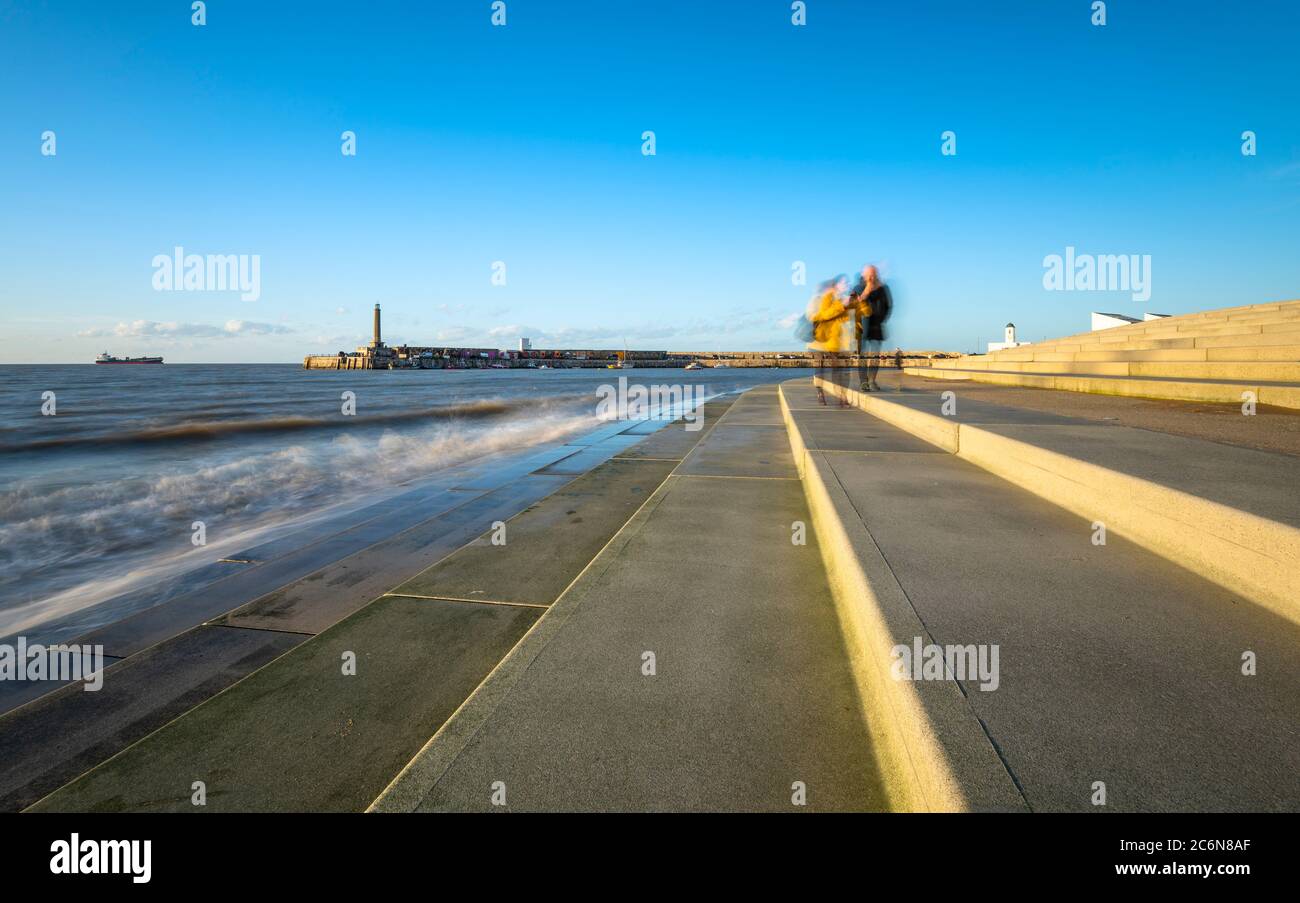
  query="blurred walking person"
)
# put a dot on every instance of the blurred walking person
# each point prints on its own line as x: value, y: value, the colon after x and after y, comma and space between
x: 872, y: 304
x: 829, y: 316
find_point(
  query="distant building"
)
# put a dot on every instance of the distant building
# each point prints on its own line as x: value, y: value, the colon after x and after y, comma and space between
x: 1108, y: 321
x: 1009, y: 340
x: 525, y: 344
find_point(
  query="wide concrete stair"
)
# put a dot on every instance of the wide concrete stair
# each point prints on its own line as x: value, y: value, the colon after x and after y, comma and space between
x: 1127, y: 577
x: 1213, y: 356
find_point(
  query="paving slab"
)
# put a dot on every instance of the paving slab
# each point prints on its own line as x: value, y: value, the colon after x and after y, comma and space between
x: 504, y: 475
x: 601, y: 433
x: 752, y: 690
x: 839, y: 429
x: 79, y: 623
x: 325, y: 597
x: 14, y: 693
x: 431, y: 496
x: 592, y: 455
x: 645, y: 427
x: 299, y: 735
x: 976, y: 413
x: 673, y: 442
x: 167, y: 619
x: 1116, y: 665
x: 48, y: 743
x: 742, y: 451
x: 547, y: 545
x: 759, y: 411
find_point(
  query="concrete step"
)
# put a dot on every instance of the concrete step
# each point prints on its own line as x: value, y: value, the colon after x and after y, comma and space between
x: 1238, y: 370
x: 1213, y: 508
x: 1292, y: 313
x: 1263, y: 371
x: 1103, y: 649
x: 1130, y: 354
x: 1153, y: 344
x: 1204, y: 329
x: 1289, y: 337
x: 1285, y: 395
x: 1220, y: 324
x: 1255, y: 353
x: 1286, y: 334
x: 1086, y: 367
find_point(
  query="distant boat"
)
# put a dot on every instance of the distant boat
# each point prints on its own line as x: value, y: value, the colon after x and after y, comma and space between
x: 694, y: 365
x: 623, y: 359
x: 107, y: 358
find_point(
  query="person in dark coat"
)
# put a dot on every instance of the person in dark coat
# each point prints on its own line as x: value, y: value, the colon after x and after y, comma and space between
x: 872, y: 304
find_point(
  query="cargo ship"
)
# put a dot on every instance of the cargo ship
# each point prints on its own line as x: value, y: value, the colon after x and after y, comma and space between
x: 107, y: 358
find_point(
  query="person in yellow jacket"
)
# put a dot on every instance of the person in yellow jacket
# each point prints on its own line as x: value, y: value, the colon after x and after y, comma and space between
x: 831, y: 316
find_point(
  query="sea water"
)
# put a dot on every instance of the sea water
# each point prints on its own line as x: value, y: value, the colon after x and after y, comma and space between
x: 105, y: 495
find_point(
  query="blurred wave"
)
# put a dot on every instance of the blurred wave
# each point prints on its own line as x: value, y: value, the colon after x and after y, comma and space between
x: 189, y: 431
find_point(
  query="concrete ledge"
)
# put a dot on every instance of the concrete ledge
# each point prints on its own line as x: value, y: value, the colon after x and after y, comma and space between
x: 931, y: 750
x: 1242, y: 552
x: 935, y: 430
x: 1278, y: 394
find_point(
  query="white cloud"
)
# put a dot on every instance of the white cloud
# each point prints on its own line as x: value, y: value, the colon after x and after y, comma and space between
x: 451, y: 334
x: 245, y: 327
x: 174, y: 330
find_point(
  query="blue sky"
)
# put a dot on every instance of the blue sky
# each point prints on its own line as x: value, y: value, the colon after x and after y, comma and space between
x: 522, y: 144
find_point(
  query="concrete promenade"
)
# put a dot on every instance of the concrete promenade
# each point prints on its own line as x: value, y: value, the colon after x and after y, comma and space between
x: 750, y: 693
x: 704, y: 620
x: 741, y: 616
